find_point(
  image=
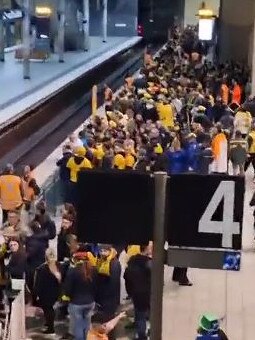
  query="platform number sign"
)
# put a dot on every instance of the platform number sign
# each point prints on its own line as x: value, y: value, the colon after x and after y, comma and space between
x: 227, y: 227
x: 205, y: 211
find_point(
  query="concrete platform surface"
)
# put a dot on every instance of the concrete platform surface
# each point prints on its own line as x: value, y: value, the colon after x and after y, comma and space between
x: 18, y: 95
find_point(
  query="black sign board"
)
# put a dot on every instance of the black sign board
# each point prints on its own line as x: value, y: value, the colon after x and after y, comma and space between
x: 115, y: 207
x: 205, y: 211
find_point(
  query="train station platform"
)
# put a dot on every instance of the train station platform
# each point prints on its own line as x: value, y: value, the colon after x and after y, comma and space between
x: 18, y: 96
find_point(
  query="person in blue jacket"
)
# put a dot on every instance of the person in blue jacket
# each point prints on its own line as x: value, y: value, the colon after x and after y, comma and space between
x: 177, y: 159
x: 192, y: 150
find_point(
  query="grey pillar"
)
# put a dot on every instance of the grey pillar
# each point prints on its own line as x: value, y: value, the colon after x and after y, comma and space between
x: 61, y: 31
x: 105, y: 2
x: 157, y: 279
x: 86, y: 25
x: 26, y: 39
x: 1, y: 31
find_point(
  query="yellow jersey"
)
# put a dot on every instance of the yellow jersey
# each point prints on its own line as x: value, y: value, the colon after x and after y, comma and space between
x: 75, y: 168
x: 119, y: 162
x: 129, y: 161
x: 166, y: 114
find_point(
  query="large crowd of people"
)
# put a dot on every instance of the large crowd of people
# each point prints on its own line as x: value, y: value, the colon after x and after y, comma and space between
x: 180, y: 114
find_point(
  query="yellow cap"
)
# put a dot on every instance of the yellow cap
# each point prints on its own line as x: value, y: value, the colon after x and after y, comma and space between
x: 80, y: 151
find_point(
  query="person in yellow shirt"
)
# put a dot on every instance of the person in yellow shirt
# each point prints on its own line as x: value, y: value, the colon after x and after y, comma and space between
x: 98, y: 155
x: 166, y: 113
x: 77, y: 163
x: 119, y: 161
x: 129, y: 157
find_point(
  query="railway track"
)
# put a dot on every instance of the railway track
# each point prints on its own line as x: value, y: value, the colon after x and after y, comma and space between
x: 32, y: 138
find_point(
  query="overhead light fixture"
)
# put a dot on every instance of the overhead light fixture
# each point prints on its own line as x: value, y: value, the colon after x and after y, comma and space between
x: 43, y: 11
x: 205, y: 12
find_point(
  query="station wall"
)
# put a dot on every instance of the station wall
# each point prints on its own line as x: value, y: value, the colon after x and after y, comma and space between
x: 122, y: 18
x: 236, y: 30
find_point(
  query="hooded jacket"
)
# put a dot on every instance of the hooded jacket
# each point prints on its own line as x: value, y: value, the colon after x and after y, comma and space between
x: 64, y: 172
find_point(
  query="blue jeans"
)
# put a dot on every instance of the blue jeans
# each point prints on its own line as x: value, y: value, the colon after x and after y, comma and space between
x: 80, y: 316
x: 140, y: 324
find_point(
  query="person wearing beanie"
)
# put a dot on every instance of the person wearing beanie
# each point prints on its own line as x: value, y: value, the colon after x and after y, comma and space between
x: 75, y: 164
x: 119, y: 161
x: 108, y: 283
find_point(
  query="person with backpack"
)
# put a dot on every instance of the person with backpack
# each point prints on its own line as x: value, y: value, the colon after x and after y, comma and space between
x: 138, y: 285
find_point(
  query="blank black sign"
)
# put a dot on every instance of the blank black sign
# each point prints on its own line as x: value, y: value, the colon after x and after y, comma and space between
x: 204, y: 211
x: 115, y: 207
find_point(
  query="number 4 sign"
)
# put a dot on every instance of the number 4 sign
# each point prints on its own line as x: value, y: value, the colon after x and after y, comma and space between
x: 227, y: 227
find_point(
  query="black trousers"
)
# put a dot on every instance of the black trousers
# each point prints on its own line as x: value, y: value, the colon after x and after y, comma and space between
x: 49, y: 316
x: 250, y: 160
x: 180, y: 274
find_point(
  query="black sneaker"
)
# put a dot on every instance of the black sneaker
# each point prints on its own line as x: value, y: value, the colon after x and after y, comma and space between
x: 49, y: 332
x: 185, y: 283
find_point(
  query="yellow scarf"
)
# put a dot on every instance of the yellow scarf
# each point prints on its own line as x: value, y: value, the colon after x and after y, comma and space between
x: 133, y: 250
x: 104, y: 265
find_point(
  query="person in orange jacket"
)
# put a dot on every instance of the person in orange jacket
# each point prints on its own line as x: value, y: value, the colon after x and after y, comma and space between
x: 236, y: 92
x: 224, y: 92
x: 11, y: 191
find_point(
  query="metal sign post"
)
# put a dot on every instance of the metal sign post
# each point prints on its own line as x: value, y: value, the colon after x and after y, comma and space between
x: 61, y: 31
x: 26, y: 40
x: 1, y: 31
x: 86, y: 24
x: 105, y: 3
x: 157, y: 281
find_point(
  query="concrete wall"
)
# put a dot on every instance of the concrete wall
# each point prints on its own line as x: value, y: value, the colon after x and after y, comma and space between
x: 192, y: 7
x: 236, y: 30
x: 119, y: 12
